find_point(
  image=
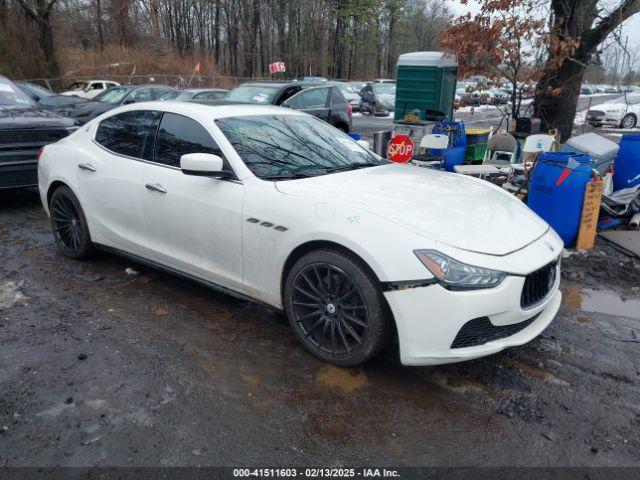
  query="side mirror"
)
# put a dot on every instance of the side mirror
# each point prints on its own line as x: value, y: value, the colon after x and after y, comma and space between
x: 128, y: 100
x: 202, y: 165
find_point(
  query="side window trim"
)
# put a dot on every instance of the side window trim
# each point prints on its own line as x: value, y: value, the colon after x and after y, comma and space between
x: 129, y: 157
x: 226, y: 163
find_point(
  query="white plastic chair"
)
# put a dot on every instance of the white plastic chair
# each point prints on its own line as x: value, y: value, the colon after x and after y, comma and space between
x: 538, y: 143
x: 433, y: 141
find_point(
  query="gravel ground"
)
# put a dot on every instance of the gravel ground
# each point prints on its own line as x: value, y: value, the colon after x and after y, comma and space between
x: 100, y: 367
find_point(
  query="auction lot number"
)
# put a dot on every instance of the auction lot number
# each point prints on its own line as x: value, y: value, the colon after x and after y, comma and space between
x: 315, y: 472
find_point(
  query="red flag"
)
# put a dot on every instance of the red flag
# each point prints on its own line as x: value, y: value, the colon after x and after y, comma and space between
x: 197, y: 69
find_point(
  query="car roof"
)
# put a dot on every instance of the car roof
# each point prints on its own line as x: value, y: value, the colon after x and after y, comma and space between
x: 212, y: 111
x: 284, y: 84
x: 131, y: 87
x: 196, y: 90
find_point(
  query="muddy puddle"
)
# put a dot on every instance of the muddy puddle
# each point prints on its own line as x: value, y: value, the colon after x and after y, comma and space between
x: 601, y: 301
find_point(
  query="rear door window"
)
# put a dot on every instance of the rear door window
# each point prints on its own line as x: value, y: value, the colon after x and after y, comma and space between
x: 129, y: 133
x: 337, y: 98
x: 179, y: 135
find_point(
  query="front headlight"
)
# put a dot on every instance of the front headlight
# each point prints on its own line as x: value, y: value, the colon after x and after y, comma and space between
x: 457, y: 275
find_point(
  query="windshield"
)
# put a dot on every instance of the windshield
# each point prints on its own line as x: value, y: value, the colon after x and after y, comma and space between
x: 113, y: 95
x: 77, y: 86
x: 11, y: 96
x: 290, y: 146
x: 177, y: 95
x: 385, y: 88
x: 345, y: 88
x: 253, y: 94
x: 38, y: 90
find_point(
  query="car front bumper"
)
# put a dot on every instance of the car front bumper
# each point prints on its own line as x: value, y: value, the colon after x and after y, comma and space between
x: 430, y: 318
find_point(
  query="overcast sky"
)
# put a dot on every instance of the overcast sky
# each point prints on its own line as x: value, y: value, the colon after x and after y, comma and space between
x: 630, y: 28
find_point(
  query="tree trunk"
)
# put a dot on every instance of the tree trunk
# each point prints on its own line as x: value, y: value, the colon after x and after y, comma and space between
x: 557, y: 95
x: 45, y: 39
x: 573, y: 41
x: 99, y: 24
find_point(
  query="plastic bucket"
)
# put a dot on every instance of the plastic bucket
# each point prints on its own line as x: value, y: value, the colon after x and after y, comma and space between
x: 454, y: 155
x: 477, y: 135
x: 627, y: 163
x: 556, y: 191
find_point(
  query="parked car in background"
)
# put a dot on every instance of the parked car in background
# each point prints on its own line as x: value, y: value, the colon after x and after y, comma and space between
x: 303, y: 78
x: 24, y: 129
x: 378, y: 98
x: 89, y: 89
x: 45, y: 98
x: 357, y: 86
x: 586, y: 90
x: 351, y: 94
x: 623, y: 112
x: 325, y: 101
x: 273, y: 93
x: 279, y: 207
x: 383, y: 80
x: 114, y: 97
x: 195, y: 94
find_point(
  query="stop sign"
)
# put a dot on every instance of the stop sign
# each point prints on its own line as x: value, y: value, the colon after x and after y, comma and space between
x: 401, y: 148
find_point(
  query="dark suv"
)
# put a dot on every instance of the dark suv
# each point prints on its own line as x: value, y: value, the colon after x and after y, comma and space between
x: 324, y: 101
x: 24, y: 129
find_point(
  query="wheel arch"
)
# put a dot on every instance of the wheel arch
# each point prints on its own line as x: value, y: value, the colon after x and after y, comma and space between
x: 312, y: 245
x: 53, y: 187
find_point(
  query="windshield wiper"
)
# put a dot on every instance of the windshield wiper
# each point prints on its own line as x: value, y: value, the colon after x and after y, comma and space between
x: 351, y: 166
x: 288, y: 176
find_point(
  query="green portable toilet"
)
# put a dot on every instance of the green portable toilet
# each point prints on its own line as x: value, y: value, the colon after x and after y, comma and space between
x: 425, y: 81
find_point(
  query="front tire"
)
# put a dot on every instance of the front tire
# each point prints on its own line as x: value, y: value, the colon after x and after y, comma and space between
x: 69, y: 224
x: 336, y: 308
x: 629, y: 121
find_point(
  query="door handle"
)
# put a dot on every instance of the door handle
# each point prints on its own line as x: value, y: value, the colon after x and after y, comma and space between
x: 87, y: 166
x: 156, y: 187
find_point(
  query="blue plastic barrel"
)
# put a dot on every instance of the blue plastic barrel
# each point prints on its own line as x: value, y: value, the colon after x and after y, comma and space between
x: 627, y: 165
x: 556, y: 191
x: 355, y: 136
x: 454, y: 155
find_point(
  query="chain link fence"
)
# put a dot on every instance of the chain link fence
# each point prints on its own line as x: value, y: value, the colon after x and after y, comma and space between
x: 177, y: 81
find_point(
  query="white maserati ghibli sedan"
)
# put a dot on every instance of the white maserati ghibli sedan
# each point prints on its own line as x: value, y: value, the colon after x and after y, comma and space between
x: 277, y: 206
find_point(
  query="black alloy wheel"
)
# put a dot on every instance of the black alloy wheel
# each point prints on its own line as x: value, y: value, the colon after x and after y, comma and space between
x: 69, y: 224
x: 335, y: 308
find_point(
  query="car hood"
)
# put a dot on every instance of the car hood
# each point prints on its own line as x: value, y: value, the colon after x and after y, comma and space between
x: 91, y: 108
x: 611, y: 107
x: 21, y: 118
x: 452, y: 209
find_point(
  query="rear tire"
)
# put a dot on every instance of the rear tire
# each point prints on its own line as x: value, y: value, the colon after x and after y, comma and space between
x: 69, y: 224
x: 336, y: 308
